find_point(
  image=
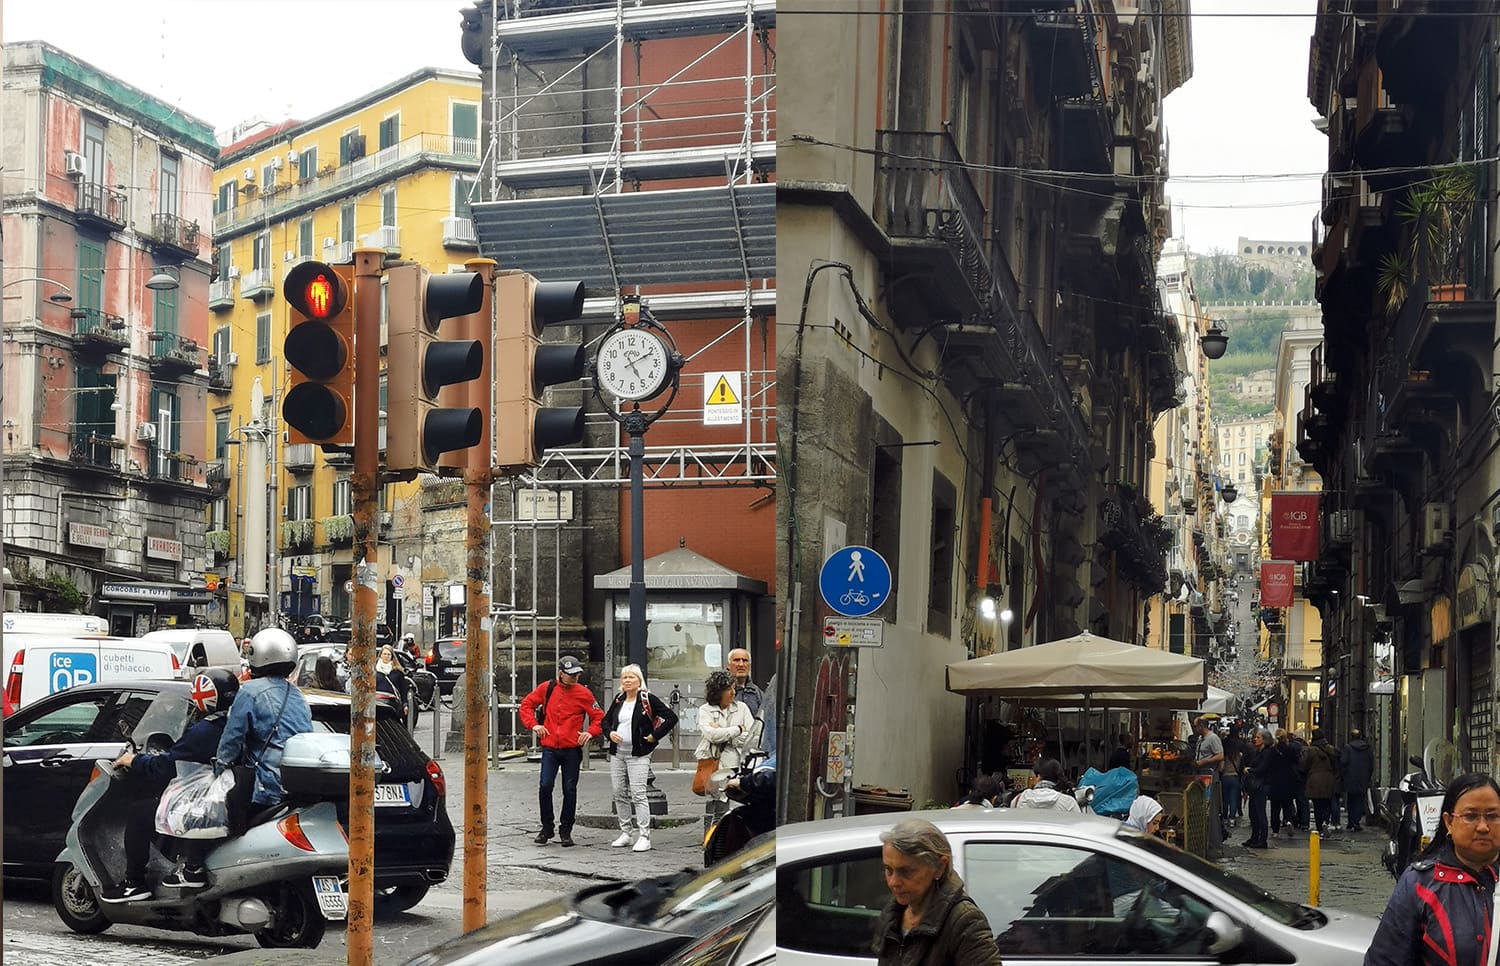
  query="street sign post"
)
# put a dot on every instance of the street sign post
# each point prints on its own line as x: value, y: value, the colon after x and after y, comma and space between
x: 855, y: 581
x: 853, y: 631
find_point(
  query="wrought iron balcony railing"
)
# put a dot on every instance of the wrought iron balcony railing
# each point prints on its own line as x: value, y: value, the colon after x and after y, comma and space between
x: 101, y: 203
x: 96, y: 449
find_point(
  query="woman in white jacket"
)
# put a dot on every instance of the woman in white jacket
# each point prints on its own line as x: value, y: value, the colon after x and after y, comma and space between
x: 724, y: 725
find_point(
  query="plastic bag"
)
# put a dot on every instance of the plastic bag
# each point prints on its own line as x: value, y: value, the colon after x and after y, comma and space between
x: 196, y: 803
x: 1114, y: 790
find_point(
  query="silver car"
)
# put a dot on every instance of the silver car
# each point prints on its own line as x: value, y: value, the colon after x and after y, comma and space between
x: 1056, y: 888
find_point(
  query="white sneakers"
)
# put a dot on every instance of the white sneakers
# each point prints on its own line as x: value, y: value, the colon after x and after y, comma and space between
x: 621, y: 842
x: 642, y: 844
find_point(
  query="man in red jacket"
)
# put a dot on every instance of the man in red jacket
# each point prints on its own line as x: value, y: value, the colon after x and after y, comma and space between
x: 568, y: 717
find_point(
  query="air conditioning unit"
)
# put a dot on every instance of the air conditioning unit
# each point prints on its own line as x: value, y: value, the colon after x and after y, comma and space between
x: 1435, y: 526
x: 276, y: 164
x: 386, y: 519
x: 292, y: 157
x: 73, y: 164
x: 146, y: 432
x: 329, y: 243
x: 248, y: 174
x: 231, y: 358
x: 234, y: 271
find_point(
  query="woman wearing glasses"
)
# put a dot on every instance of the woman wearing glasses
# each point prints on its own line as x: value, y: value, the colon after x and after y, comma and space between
x: 1441, y: 909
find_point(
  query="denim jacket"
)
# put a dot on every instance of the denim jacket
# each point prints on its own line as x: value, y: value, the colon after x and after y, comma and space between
x: 247, y: 736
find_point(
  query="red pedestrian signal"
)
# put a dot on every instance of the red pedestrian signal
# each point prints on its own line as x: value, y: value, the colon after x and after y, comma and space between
x: 319, y: 348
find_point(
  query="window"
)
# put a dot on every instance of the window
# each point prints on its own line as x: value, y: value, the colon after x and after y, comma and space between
x: 223, y: 262
x: 74, y: 722
x: 268, y: 174
x: 1242, y: 459
x: 307, y: 163
x: 940, y: 570
x: 388, y: 207
x: 90, y: 291
x: 168, y: 418
x: 346, y: 222
x: 390, y: 131
x: 305, y: 237
x: 218, y: 514
x: 830, y: 907
x: 167, y: 185
x: 463, y: 193
x: 343, y: 501
x: 261, y: 252
x: 1052, y: 901
x: 93, y: 149
x: 351, y: 146
x: 221, y: 436
x: 299, y: 502
x: 263, y: 338
x: 463, y: 123
x: 228, y: 196
x: 1177, y: 633
x: 221, y: 344
x: 165, y: 312
x: 91, y: 409
x: 885, y: 510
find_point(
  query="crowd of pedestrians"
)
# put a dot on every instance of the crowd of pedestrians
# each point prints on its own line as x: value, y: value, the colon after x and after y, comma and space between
x: 1288, y: 784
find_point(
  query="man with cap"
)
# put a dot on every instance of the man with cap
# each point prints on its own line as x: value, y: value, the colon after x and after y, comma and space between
x: 564, y: 715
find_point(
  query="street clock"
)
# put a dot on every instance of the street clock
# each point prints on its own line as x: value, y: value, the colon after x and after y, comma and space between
x: 633, y: 364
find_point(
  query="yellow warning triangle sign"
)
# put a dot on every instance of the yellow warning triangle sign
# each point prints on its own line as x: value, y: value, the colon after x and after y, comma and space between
x: 722, y: 395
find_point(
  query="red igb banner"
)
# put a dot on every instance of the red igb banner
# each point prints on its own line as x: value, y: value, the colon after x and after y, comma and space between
x: 1294, y: 526
x: 1276, y: 584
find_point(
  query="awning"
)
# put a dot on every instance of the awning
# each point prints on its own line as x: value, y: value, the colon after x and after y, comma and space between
x: 1085, y: 671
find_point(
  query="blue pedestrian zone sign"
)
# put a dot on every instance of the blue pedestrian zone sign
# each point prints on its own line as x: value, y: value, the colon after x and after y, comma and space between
x: 855, y: 581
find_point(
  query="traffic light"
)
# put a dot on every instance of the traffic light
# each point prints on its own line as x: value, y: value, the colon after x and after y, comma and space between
x: 418, y: 364
x: 525, y: 366
x: 319, y: 346
x: 478, y: 393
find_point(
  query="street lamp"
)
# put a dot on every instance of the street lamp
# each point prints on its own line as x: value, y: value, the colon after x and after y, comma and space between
x: 1214, y: 342
x: 61, y: 298
x: 1230, y: 493
x: 163, y: 281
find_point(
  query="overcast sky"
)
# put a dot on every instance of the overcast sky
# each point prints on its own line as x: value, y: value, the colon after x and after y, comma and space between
x: 225, y: 61
x: 1245, y: 112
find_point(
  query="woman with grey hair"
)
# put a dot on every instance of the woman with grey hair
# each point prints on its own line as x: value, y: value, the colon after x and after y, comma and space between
x: 1255, y: 771
x: 636, y: 722
x: 930, y: 920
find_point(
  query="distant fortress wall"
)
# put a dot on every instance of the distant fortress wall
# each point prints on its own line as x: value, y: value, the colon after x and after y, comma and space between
x: 1233, y: 312
x: 1260, y: 251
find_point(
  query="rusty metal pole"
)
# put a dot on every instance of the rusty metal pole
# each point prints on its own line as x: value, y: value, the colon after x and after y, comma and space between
x: 479, y: 479
x: 361, y: 654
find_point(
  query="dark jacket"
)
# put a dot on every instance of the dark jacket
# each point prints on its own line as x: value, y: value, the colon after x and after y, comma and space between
x: 640, y: 724
x: 1357, y: 762
x: 569, y: 712
x: 1319, y: 768
x: 1282, y: 778
x: 954, y: 932
x: 1255, y: 769
x: 1439, y: 914
x: 199, y: 743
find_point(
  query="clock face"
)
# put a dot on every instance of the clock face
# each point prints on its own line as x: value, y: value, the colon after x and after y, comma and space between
x: 632, y: 364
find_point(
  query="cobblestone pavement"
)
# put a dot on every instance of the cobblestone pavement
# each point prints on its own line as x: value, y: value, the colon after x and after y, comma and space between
x: 1352, y: 878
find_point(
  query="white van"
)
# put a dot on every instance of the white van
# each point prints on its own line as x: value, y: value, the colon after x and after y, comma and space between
x: 22, y: 622
x: 200, y: 646
x: 43, y: 665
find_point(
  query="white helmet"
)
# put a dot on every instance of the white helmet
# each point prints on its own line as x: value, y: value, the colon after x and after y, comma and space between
x: 272, y: 646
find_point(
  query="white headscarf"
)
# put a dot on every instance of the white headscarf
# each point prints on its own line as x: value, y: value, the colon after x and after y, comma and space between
x: 1142, y: 811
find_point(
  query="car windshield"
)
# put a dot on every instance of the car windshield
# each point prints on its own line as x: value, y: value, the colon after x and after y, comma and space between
x: 695, y: 903
x: 1286, y: 913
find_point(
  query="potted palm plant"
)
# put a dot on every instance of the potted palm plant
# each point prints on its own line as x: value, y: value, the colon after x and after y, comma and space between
x: 1437, y: 213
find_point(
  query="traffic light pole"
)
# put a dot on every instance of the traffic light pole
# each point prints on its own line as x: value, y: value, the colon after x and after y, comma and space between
x: 365, y: 486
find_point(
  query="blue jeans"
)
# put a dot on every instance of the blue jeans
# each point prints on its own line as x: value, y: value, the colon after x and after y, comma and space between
x: 1231, y: 804
x: 569, y: 760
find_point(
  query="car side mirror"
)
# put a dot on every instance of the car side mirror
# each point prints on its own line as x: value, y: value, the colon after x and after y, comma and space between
x: 1225, y: 932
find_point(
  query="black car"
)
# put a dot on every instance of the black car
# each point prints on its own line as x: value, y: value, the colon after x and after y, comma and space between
x: 447, y: 659
x: 51, y: 745
x: 722, y: 915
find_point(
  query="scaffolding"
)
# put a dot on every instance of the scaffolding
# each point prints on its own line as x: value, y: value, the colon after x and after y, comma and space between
x: 704, y: 135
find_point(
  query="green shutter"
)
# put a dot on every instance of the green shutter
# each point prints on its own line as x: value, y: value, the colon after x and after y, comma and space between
x: 465, y: 121
x: 165, y: 312
x: 90, y: 275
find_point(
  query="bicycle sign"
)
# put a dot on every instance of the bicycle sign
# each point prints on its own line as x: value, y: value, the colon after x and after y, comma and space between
x: 855, y: 581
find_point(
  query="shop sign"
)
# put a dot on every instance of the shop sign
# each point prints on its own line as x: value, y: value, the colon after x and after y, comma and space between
x: 160, y: 548
x: 1474, y: 599
x: 156, y: 593
x: 88, y: 535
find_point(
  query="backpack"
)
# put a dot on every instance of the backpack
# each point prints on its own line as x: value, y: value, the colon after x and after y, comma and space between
x: 541, y: 709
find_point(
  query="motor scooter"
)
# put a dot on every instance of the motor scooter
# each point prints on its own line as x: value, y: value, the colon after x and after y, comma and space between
x: 752, y: 786
x: 1412, y: 810
x: 280, y: 881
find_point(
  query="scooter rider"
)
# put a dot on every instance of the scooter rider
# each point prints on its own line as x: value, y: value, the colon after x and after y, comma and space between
x: 214, y: 690
x: 268, y: 710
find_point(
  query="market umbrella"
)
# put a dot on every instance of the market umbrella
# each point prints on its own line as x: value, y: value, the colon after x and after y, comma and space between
x: 1218, y: 701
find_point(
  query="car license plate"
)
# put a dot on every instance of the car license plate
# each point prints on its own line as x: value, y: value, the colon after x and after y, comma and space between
x: 331, y: 898
x: 392, y: 795
x: 453, y: 672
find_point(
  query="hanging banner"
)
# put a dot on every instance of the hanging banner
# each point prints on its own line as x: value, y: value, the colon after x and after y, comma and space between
x: 1294, y: 526
x: 1275, y: 584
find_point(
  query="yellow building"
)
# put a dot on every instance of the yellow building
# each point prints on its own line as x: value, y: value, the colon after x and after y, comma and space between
x: 394, y: 169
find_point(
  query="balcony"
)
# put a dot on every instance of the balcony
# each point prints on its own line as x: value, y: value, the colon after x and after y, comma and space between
x: 168, y: 467
x: 173, y: 354
x: 340, y: 254
x: 1138, y: 537
x: 298, y: 535
x: 220, y: 376
x: 1384, y: 135
x: 174, y: 234
x: 256, y: 284
x: 100, y: 206
x: 221, y: 294
x: 1063, y: 50
x: 338, y: 530
x: 216, y: 475
x: 348, y: 179
x: 94, y: 451
x: 93, y: 329
x: 299, y: 457
x: 1408, y: 35
x: 387, y: 237
x: 459, y: 233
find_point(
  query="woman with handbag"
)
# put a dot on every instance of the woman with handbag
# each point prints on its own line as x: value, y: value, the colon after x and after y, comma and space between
x: 724, y: 724
x: 636, y: 722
